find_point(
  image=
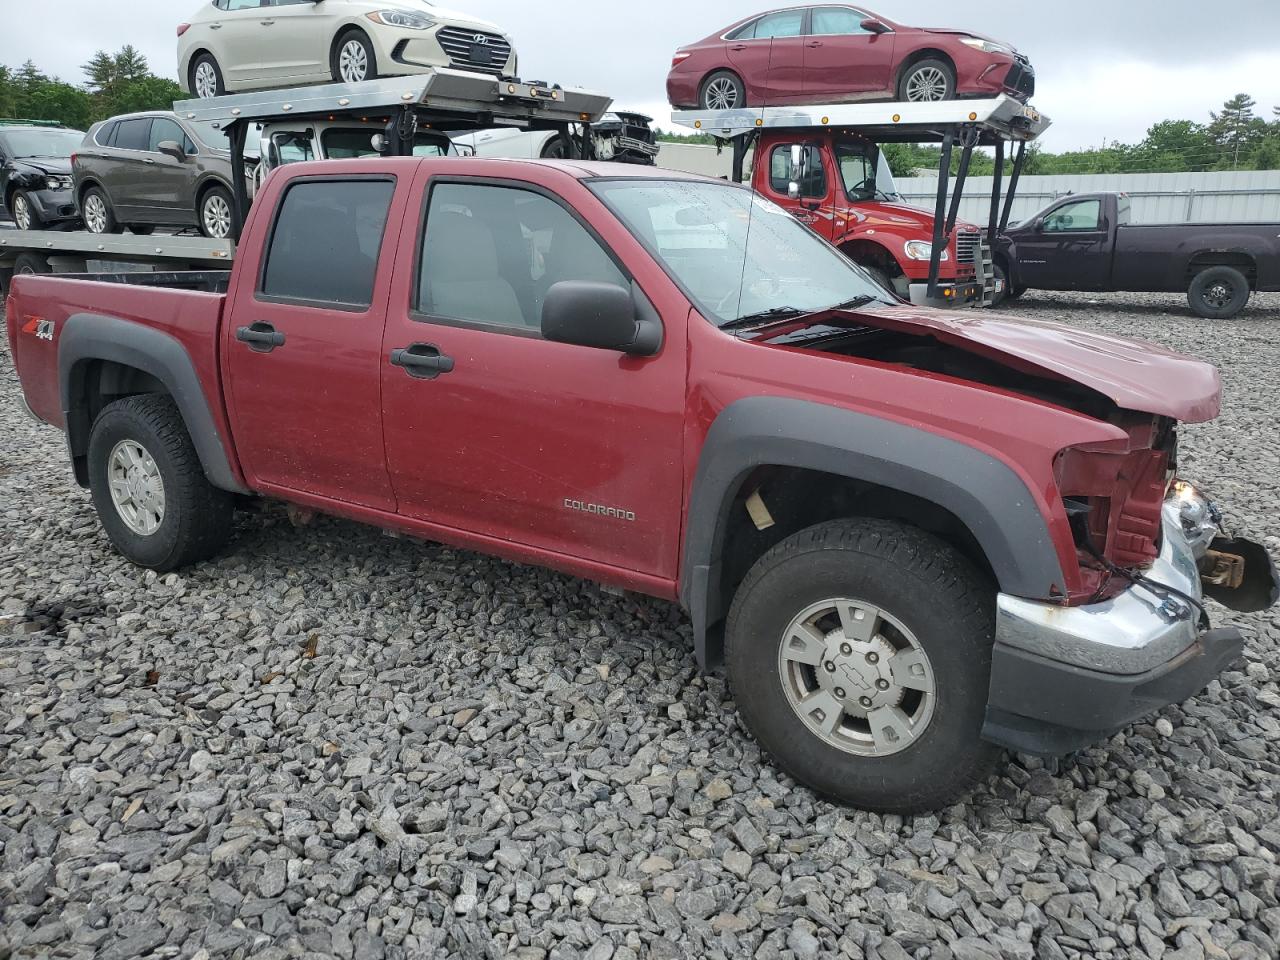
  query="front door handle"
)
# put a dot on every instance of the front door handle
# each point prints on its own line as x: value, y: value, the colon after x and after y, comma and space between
x: 215, y: 26
x: 261, y: 337
x: 741, y: 46
x: 267, y: 23
x: 422, y: 360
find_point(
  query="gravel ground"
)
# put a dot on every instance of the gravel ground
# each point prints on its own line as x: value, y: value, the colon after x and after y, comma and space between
x: 333, y: 743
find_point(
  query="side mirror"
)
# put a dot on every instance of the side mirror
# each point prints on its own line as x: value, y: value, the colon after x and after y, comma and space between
x: 171, y: 148
x: 799, y: 164
x: 601, y: 315
x: 872, y: 25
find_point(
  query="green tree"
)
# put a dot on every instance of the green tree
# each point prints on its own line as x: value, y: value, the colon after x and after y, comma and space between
x: 1236, y: 127
x: 113, y: 80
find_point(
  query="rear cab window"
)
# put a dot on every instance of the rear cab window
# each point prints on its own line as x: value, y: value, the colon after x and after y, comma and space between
x: 325, y: 243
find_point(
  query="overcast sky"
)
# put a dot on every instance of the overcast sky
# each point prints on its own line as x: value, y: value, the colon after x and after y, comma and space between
x: 1107, y: 69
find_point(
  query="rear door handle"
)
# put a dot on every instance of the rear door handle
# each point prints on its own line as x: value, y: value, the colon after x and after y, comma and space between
x: 267, y: 23
x: 261, y: 337
x: 815, y: 43
x: 422, y: 360
x: 215, y: 26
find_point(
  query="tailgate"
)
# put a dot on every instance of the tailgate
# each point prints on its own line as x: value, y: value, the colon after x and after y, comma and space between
x: 39, y: 307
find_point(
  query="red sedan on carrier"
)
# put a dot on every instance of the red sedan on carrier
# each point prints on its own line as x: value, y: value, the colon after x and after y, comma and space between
x: 836, y: 53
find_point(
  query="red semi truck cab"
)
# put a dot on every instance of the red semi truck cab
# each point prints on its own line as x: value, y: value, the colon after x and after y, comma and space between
x: 911, y: 536
x: 847, y: 195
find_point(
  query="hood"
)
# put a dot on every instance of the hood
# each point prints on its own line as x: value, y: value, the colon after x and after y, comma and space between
x: 1135, y: 374
x: 897, y: 213
x: 953, y: 32
x: 435, y: 10
x: 59, y: 166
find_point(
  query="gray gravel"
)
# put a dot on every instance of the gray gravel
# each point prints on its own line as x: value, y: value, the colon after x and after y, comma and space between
x: 333, y: 743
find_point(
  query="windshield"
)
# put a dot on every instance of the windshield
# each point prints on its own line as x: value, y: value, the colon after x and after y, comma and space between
x: 865, y: 171
x: 40, y: 143
x: 736, y: 254
x: 355, y: 142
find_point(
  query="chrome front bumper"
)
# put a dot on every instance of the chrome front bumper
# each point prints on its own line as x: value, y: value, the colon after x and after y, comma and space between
x: 1065, y: 677
x: 1134, y: 631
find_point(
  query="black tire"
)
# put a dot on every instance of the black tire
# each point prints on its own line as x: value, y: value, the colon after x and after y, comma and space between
x: 554, y: 149
x: 940, y: 72
x: 1002, y: 276
x: 212, y: 226
x: 30, y: 264
x: 726, y: 82
x: 1218, y: 293
x: 219, y: 86
x: 21, y: 207
x: 371, y: 57
x: 880, y: 277
x: 931, y: 590
x: 108, y: 223
x: 142, y: 229
x: 196, y: 521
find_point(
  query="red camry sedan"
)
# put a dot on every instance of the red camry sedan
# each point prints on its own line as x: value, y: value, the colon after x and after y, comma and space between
x: 833, y: 53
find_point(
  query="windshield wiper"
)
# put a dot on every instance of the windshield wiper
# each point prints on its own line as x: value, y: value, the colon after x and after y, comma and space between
x: 854, y: 304
x: 762, y: 316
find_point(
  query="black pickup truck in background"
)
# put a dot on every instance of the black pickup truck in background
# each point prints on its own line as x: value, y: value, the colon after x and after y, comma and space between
x: 1085, y: 242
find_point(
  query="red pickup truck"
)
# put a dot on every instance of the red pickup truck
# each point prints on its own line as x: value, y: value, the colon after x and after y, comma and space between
x: 913, y: 537
x: 844, y: 191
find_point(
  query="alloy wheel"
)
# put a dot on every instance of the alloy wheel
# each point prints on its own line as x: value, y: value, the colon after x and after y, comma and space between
x: 95, y: 213
x: 21, y: 212
x: 206, y: 80
x: 137, y: 490
x: 353, y: 62
x: 857, y: 677
x: 217, y: 217
x: 927, y: 85
x: 722, y: 94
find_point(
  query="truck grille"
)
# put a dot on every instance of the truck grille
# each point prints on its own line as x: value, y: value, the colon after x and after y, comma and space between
x: 475, y: 49
x: 968, y: 246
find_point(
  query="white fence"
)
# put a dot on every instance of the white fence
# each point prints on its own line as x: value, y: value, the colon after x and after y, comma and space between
x: 1228, y: 197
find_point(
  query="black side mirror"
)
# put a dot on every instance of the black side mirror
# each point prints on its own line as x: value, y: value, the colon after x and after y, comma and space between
x: 601, y: 315
x: 872, y: 25
x: 171, y: 148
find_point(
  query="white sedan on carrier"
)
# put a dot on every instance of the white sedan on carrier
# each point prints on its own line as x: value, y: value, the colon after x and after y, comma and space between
x: 232, y: 45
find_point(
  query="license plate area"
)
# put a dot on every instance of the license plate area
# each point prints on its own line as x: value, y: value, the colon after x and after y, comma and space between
x: 481, y: 54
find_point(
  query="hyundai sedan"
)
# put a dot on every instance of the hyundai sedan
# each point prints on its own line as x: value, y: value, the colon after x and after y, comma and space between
x: 232, y: 45
x: 833, y: 53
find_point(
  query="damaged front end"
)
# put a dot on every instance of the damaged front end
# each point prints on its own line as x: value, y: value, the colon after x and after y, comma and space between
x: 1064, y: 677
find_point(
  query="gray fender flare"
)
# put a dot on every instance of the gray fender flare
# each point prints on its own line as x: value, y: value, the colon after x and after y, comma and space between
x: 87, y: 337
x: 984, y: 493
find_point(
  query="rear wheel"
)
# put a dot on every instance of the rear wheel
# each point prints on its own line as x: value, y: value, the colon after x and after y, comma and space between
x: 205, y: 81
x: 354, y: 59
x: 723, y: 90
x: 142, y: 229
x: 928, y: 81
x: 24, y: 213
x: 859, y: 654
x: 98, y: 216
x: 1218, y: 293
x: 215, y: 213
x: 149, y: 489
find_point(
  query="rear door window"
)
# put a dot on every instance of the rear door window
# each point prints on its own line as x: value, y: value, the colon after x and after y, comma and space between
x: 325, y: 243
x: 133, y: 135
x: 788, y: 23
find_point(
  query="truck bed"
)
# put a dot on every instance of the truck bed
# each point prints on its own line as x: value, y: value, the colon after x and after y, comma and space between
x: 186, y: 306
x: 1157, y: 256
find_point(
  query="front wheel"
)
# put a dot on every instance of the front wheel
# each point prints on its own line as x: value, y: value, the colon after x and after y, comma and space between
x: 354, y: 59
x: 24, y: 213
x: 928, y: 81
x: 149, y: 489
x: 859, y: 654
x: 1218, y: 293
